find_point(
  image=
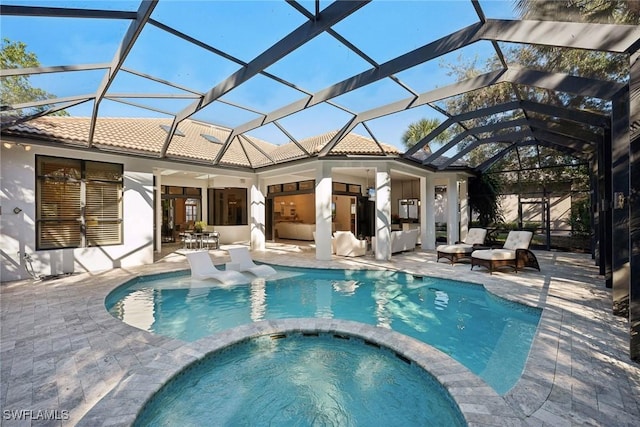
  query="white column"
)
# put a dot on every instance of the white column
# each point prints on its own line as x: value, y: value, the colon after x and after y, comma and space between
x: 323, y: 212
x: 158, y: 210
x: 428, y: 213
x: 453, y: 234
x: 464, y: 208
x: 204, y: 201
x: 257, y: 212
x: 383, y: 215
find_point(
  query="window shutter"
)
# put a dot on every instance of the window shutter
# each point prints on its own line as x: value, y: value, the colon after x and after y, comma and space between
x: 59, y: 211
x: 59, y: 215
x: 103, y: 213
x: 71, y: 193
x: 103, y: 209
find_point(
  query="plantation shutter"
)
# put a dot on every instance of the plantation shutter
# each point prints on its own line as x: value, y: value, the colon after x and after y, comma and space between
x: 103, y: 209
x: 58, y: 212
x: 79, y: 203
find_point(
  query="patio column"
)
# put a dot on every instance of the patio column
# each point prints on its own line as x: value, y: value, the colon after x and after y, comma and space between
x: 204, y: 203
x: 464, y: 208
x: 620, y: 205
x: 594, y: 201
x: 158, y: 210
x: 383, y: 215
x: 453, y: 235
x: 323, y: 212
x: 258, y: 216
x: 606, y: 197
x: 428, y: 213
x: 634, y: 208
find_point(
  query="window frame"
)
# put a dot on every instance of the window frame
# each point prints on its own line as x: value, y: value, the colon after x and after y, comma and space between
x: 218, y: 218
x: 85, y: 218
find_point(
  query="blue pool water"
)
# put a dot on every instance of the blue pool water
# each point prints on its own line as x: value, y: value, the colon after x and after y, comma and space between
x: 302, y: 380
x: 487, y: 334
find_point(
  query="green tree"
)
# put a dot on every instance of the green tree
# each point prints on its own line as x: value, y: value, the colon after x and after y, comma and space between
x: 18, y: 89
x: 580, y: 218
x: 601, y: 11
x: 598, y: 65
x: 484, y: 192
x: 418, y: 130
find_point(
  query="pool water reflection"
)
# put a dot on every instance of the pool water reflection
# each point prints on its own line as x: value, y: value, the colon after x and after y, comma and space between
x: 489, y: 335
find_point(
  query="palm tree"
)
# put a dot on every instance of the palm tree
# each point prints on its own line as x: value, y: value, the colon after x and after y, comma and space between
x: 418, y: 130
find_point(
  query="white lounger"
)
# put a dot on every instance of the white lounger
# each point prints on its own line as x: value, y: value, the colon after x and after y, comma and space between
x: 241, y: 261
x: 202, y: 267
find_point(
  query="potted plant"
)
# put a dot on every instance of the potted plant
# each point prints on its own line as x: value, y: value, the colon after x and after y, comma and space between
x: 199, y: 226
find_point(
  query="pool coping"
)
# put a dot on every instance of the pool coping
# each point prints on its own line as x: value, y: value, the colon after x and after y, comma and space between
x: 478, y: 402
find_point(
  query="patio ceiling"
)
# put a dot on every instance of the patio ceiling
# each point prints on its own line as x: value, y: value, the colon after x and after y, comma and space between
x: 147, y: 79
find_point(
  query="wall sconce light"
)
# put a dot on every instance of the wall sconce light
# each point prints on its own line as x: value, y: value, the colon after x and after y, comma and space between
x: 17, y: 210
x: 9, y: 145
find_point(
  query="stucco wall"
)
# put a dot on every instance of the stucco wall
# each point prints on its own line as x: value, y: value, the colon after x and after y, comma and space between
x: 17, y: 188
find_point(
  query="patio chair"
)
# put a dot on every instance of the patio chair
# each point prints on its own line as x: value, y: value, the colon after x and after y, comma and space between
x: 211, y: 240
x: 189, y: 240
x: 514, y: 253
x: 474, y: 240
x: 241, y: 261
x: 202, y: 267
x: 346, y: 244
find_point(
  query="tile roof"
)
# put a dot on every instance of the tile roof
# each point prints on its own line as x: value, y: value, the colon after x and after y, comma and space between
x: 146, y: 136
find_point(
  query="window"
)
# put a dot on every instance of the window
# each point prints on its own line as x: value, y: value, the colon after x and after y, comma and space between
x: 229, y: 206
x: 78, y: 203
x: 191, y: 207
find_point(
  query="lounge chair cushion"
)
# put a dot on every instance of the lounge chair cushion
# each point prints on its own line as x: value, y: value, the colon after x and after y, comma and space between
x: 518, y: 240
x: 495, y: 254
x: 460, y: 248
x: 475, y: 236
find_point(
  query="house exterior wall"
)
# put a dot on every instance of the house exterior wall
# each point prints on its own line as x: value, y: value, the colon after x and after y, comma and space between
x: 17, y: 190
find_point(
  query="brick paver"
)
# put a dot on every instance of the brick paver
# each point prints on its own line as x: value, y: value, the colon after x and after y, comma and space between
x: 61, y: 352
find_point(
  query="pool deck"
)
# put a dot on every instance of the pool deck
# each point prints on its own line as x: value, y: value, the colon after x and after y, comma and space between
x: 61, y: 351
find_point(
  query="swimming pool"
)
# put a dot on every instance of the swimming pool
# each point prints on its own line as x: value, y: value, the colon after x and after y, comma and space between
x: 487, y: 334
x: 302, y: 379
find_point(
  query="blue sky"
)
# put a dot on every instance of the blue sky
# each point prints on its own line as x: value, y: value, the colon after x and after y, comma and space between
x: 382, y: 29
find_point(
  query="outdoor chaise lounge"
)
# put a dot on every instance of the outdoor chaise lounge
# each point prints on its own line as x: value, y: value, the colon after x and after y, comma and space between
x: 514, y: 253
x: 347, y: 244
x: 475, y: 238
x: 202, y: 267
x: 241, y: 261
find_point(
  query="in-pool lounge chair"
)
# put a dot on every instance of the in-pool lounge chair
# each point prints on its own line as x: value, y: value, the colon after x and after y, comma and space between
x: 475, y: 238
x: 514, y: 253
x: 241, y: 261
x: 202, y: 267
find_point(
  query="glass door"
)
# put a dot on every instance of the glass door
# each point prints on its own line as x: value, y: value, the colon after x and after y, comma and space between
x: 168, y: 220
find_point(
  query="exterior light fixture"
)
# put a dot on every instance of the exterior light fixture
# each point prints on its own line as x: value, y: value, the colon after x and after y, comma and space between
x: 9, y: 145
